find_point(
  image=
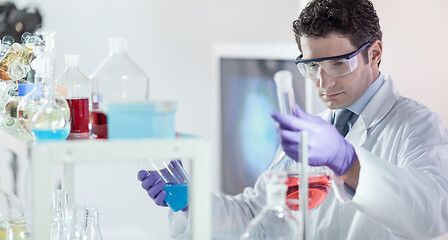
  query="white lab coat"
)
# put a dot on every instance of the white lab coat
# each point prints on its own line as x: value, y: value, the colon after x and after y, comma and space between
x: 403, y: 183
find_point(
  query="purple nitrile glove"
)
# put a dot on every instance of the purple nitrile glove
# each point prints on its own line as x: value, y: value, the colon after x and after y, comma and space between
x: 153, y: 184
x: 326, y: 146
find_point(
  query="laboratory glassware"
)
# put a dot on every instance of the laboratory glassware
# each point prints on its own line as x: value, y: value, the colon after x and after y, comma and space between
x: 30, y: 103
x: 17, y: 230
x: 13, y: 53
x: 50, y: 122
x: 275, y: 221
x: 6, y: 44
x: 10, y: 210
x: 175, y: 177
x: 92, y: 231
x: 59, y: 212
x: 117, y: 79
x: 319, y: 180
x: 75, y: 87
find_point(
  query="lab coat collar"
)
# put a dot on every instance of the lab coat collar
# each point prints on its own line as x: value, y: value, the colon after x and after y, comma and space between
x: 375, y: 111
x: 380, y: 104
x: 378, y: 107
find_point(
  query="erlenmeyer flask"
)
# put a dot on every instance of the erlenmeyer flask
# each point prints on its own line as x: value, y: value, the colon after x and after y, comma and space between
x: 275, y: 221
x: 92, y: 231
x: 319, y: 181
x: 117, y: 79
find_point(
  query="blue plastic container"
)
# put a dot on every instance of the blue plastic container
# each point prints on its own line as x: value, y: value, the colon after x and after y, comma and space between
x: 141, y: 120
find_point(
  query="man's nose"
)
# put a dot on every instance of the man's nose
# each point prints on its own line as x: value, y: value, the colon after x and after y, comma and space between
x: 325, y: 81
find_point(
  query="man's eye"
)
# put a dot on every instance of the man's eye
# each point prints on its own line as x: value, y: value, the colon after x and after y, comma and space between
x: 313, y: 65
x: 338, y: 63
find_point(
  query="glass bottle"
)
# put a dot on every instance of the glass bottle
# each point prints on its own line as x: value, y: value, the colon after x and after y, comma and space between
x: 275, y: 221
x: 75, y: 87
x: 13, y: 53
x: 10, y: 210
x: 319, y: 181
x: 6, y: 44
x: 117, y: 79
x: 92, y: 231
x: 30, y: 103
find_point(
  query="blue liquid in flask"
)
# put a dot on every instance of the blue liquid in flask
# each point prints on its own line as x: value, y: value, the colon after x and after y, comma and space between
x: 176, y: 196
x: 51, y: 134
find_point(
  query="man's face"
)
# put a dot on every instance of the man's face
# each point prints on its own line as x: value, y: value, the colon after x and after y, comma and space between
x: 338, y: 92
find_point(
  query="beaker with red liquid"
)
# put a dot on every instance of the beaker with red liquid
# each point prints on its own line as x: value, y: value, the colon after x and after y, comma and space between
x: 118, y: 79
x: 319, y: 184
x: 75, y: 87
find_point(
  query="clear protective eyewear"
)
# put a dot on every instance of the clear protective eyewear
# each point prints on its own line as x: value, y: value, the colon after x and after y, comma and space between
x: 336, y: 66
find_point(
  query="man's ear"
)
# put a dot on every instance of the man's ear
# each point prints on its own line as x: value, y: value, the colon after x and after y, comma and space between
x: 375, y: 53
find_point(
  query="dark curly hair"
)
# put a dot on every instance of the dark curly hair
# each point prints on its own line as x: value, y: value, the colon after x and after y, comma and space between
x: 355, y: 19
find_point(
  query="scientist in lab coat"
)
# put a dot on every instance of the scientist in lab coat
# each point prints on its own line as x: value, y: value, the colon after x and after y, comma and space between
x: 389, y: 153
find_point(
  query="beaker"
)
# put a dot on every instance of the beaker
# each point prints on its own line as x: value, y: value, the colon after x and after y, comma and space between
x: 17, y: 230
x: 175, y: 177
x: 319, y: 183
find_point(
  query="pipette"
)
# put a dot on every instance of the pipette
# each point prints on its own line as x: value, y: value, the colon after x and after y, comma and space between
x: 286, y: 101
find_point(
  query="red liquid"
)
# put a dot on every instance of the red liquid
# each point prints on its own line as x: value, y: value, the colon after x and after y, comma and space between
x: 79, y: 115
x: 318, y: 188
x: 99, y: 124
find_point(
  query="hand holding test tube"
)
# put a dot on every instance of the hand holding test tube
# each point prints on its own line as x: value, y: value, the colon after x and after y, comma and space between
x: 166, y: 182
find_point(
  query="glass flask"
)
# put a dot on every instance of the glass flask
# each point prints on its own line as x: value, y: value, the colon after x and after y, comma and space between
x: 275, y: 221
x: 117, y: 79
x: 92, y: 231
x: 10, y: 210
x: 59, y: 212
x: 319, y: 180
x: 50, y: 122
x: 75, y: 87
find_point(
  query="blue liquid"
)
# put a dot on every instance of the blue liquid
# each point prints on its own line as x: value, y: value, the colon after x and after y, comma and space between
x: 176, y: 196
x: 51, y: 134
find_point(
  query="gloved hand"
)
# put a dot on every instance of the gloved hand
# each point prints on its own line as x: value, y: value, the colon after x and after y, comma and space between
x: 153, y: 184
x: 326, y: 146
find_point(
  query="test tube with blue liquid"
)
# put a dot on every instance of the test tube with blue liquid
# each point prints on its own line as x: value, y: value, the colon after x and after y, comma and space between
x: 175, y: 177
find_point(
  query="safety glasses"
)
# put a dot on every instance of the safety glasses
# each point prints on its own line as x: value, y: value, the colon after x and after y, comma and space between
x: 336, y: 66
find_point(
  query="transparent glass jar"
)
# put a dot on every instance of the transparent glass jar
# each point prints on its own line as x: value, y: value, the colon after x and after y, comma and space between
x: 117, y: 79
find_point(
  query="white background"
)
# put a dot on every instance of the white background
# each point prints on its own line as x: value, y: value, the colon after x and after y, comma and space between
x: 172, y: 40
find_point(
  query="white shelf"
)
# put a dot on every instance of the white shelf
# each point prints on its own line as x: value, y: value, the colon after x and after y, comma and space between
x: 44, y: 155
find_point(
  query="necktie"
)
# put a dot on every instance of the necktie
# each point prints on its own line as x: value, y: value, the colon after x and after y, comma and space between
x: 341, y: 121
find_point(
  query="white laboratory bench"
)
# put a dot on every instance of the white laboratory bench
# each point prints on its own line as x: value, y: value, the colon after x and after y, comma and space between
x: 43, y: 156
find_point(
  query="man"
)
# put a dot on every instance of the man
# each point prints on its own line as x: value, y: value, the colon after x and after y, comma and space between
x: 391, y: 175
